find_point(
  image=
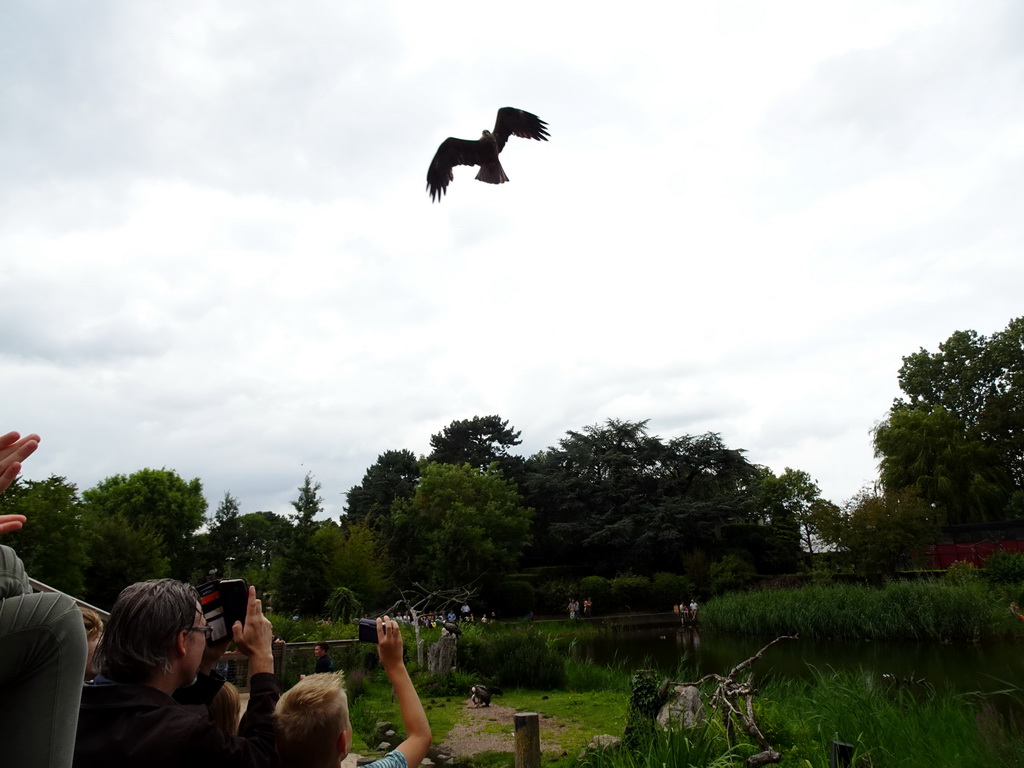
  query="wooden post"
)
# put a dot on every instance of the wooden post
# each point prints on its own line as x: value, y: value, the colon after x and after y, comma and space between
x: 527, y: 739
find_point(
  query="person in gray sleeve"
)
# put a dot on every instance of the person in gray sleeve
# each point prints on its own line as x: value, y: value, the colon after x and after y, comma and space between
x: 42, y: 649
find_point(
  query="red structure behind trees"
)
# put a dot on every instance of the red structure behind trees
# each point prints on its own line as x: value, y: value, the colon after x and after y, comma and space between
x: 975, y: 542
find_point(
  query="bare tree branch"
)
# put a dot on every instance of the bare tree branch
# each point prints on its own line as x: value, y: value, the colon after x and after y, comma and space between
x: 728, y: 700
x: 418, y: 599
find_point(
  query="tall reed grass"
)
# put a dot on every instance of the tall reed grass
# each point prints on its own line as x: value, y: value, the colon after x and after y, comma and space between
x: 697, y: 748
x: 901, y: 610
x: 887, y: 724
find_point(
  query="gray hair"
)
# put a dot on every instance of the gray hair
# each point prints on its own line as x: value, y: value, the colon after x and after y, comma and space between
x: 143, y: 628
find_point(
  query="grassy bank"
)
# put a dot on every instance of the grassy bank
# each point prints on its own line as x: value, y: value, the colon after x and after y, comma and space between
x: 593, y: 701
x: 907, y: 610
x: 889, y: 725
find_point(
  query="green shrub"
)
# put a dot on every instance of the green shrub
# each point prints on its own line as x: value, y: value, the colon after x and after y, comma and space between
x: 456, y: 683
x: 643, y: 708
x: 667, y: 589
x: 513, y: 597
x: 343, y: 604
x: 1004, y: 568
x: 585, y: 676
x: 553, y: 596
x: 356, y: 684
x: 697, y: 567
x: 630, y: 592
x: 961, y: 572
x: 599, y: 590
x: 731, y: 573
x: 526, y: 659
x: 512, y: 656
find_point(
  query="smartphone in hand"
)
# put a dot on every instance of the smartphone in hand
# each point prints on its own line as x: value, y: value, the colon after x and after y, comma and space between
x: 368, y: 630
x: 224, y: 602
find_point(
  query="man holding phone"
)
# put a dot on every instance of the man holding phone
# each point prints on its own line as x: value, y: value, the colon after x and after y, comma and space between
x: 148, y: 705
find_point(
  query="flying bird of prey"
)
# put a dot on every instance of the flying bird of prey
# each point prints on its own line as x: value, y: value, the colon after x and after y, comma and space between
x: 484, y: 151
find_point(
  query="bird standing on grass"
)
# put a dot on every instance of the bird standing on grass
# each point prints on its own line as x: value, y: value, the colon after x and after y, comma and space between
x: 481, y: 696
x: 484, y: 151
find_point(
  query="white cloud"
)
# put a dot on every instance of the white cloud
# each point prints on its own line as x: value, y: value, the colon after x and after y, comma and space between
x: 219, y: 255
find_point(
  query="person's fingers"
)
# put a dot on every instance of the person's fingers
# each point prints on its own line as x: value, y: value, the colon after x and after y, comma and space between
x: 11, y: 522
x: 8, y: 475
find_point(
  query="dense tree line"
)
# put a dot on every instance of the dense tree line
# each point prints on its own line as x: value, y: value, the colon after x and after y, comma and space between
x: 610, y: 503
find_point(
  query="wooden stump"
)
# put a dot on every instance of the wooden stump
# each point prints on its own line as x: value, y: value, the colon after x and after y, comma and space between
x: 527, y: 739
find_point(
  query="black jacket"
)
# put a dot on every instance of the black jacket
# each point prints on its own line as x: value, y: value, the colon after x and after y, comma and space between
x: 129, y: 725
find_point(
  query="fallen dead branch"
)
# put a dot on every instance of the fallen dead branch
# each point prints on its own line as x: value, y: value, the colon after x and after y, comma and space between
x: 733, y: 699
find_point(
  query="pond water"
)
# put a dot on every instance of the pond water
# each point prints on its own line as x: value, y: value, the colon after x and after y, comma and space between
x: 982, y: 667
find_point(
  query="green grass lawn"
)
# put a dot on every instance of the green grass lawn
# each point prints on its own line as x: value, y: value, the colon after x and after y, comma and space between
x: 579, y: 716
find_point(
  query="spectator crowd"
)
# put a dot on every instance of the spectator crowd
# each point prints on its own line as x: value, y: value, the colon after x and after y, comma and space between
x: 144, y: 691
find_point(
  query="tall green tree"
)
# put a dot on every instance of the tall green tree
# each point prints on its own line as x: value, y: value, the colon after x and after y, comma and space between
x: 463, y: 524
x: 931, y: 450
x: 980, y: 381
x: 392, y: 476
x: 879, y: 533
x: 160, y: 502
x: 219, y: 547
x: 122, y: 552
x: 262, y: 537
x: 615, y: 498
x: 359, y: 564
x: 479, y: 442
x: 786, y: 503
x: 300, y: 570
x: 53, y: 543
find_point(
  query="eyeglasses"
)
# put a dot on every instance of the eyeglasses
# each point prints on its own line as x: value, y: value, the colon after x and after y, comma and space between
x: 206, y: 629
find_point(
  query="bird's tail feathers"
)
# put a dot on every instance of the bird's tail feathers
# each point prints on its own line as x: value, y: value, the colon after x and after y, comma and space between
x: 492, y: 173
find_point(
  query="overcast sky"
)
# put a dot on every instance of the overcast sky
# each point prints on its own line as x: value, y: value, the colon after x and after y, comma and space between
x: 217, y: 254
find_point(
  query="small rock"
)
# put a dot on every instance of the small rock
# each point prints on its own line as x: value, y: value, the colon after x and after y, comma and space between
x: 390, y: 733
x: 601, y: 743
x: 383, y: 747
x: 684, y: 707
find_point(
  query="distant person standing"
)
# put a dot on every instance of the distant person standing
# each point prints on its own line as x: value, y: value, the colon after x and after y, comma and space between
x: 324, y: 663
x: 465, y: 611
x: 587, y: 605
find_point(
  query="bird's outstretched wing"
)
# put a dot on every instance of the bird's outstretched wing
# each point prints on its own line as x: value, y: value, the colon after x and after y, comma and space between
x: 516, y: 122
x: 452, y: 152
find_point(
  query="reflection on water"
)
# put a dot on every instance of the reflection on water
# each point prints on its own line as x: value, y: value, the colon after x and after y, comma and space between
x: 674, y: 651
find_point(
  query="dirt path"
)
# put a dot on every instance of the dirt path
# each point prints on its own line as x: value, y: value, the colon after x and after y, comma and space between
x: 490, y: 729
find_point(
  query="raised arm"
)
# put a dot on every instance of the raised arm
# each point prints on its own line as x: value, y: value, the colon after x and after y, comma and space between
x: 417, y: 729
